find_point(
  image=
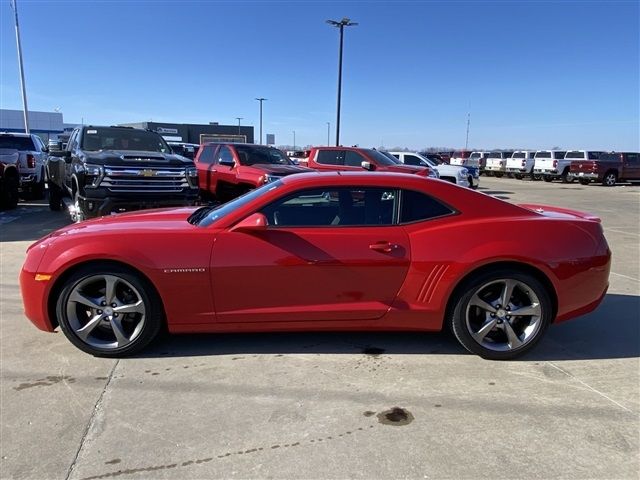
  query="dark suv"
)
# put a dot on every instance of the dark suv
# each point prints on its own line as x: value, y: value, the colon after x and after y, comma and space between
x: 112, y: 169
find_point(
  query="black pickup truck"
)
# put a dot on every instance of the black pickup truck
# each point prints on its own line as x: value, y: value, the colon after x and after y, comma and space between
x: 114, y: 169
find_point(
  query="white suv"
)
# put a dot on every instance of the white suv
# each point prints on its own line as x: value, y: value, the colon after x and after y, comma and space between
x: 451, y: 173
x: 497, y: 163
x: 32, y: 154
x: 551, y: 164
x: 521, y: 163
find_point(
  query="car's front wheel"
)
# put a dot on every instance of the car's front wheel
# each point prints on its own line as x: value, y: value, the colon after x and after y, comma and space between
x: 501, y: 315
x: 109, y: 311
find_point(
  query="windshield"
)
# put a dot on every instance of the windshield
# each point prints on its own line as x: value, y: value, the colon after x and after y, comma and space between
x: 205, y: 216
x: 391, y: 157
x: 105, y: 138
x: 16, y: 143
x: 575, y: 154
x: 543, y: 155
x: 461, y: 154
x: 380, y: 158
x: 252, y: 155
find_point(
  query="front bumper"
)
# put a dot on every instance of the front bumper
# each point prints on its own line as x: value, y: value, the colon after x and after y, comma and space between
x: 99, y: 202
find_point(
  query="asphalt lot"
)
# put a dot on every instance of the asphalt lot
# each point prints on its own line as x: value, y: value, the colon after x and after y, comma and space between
x: 317, y: 405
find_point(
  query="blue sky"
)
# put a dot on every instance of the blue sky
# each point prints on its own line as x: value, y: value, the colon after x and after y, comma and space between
x: 533, y: 74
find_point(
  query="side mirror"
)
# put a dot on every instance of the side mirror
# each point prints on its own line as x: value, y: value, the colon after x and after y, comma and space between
x: 254, y: 222
x: 368, y: 166
x: 227, y: 163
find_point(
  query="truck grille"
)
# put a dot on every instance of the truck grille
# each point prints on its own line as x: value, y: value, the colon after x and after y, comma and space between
x: 151, y: 180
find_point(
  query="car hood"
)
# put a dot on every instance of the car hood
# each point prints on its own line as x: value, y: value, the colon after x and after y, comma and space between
x: 281, y: 169
x: 142, y: 158
x: 161, y: 220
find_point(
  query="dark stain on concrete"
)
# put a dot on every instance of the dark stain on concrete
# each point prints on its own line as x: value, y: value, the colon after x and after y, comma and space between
x: 45, y: 382
x: 396, y: 417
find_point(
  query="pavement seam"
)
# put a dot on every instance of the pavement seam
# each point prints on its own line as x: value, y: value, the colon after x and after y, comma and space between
x: 90, y: 423
x: 591, y: 388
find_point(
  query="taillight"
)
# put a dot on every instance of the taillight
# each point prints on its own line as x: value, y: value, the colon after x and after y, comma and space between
x: 555, y: 163
x: 31, y: 161
x: 524, y: 163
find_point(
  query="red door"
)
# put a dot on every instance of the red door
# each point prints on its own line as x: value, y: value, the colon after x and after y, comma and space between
x: 308, y: 274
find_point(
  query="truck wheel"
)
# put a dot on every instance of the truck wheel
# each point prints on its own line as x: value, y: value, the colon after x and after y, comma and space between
x: 566, y: 176
x: 9, y: 194
x: 519, y: 176
x: 55, y: 197
x: 610, y: 179
x: 584, y: 181
x: 547, y: 178
x: 498, y: 174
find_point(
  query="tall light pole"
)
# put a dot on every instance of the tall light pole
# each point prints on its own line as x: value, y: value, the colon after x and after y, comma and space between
x: 14, y: 5
x: 345, y: 22
x: 239, y: 118
x: 261, y: 100
x: 328, y: 134
x: 294, y: 139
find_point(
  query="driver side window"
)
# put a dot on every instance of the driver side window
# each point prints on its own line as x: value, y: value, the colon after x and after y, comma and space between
x: 224, y: 155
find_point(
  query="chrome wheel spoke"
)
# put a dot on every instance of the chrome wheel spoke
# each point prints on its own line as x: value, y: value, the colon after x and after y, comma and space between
x: 110, y: 288
x: 137, y: 307
x: 486, y: 328
x: 512, y: 338
x: 533, y: 309
x: 478, y: 302
x: 85, y: 331
x: 121, y: 337
x: 78, y: 297
x: 507, y: 292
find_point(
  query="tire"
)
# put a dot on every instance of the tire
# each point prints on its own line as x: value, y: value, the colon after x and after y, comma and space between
x: 567, y: 177
x: 37, y: 191
x: 84, y: 302
x: 584, y: 181
x: 494, y: 332
x: 610, y: 179
x: 498, y: 174
x: 519, y: 176
x: 55, y: 197
x: 10, y: 192
x: 547, y: 178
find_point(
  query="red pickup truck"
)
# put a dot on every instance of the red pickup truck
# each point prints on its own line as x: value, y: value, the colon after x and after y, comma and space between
x: 228, y: 170
x: 608, y: 168
x: 355, y: 159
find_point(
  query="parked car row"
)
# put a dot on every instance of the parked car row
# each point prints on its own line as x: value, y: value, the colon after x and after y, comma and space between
x: 586, y: 166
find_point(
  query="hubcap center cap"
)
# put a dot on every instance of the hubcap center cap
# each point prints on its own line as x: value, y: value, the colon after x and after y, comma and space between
x: 501, y: 313
x: 108, y: 311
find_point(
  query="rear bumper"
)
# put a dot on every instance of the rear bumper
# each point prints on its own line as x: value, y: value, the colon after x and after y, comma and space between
x: 516, y: 170
x: 494, y: 168
x: 586, y: 175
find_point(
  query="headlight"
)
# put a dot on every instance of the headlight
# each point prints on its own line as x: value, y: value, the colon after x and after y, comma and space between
x: 433, y: 173
x: 269, y: 178
x: 92, y: 175
x: 192, y: 176
x: 464, y: 173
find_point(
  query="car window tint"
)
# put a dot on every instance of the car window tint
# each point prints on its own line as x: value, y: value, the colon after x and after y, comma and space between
x: 412, y: 160
x: 224, y: 155
x: 207, y: 154
x: 330, y: 157
x: 334, y: 207
x: 353, y: 159
x: 417, y: 206
x: 633, y: 158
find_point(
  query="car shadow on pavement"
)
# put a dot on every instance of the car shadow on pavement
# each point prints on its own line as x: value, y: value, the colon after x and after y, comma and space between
x: 30, y: 221
x: 612, y: 331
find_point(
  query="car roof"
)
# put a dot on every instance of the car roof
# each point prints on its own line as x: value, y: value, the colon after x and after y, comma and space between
x: 15, y: 134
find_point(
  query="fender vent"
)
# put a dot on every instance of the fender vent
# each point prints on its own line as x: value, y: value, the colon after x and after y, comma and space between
x: 431, y: 282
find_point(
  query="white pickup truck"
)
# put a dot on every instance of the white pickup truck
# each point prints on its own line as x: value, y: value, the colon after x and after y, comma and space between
x: 451, y: 173
x: 32, y: 155
x: 521, y: 164
x: 497, y: 163
x: 551, y: 164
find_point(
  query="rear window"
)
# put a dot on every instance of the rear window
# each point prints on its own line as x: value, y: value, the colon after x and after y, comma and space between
x: 543, y: 155
x: 417, y: 206
x: 519, y: 155
x: 461, y: 154
x: 576, y: 155
x: 17, y: 143
x: 495, y: 155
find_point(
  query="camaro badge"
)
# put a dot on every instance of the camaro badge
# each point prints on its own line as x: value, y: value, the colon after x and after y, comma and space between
x: 184, y: 270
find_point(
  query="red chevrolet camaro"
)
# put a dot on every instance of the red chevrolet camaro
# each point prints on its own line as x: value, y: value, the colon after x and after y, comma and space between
x: 322, y: 251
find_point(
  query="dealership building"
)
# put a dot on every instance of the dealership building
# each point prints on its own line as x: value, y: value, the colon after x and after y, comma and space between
x: 198, y: 133
x: 47, y: 125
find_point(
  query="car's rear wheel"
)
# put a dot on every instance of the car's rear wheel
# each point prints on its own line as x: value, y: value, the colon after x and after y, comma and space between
x: 610, y: 179
x: 584, y: 181
x: 108, y: 311
x: 547, y: 178
x: 502, y: 314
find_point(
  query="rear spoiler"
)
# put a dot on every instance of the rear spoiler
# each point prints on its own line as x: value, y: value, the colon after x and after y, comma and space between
x: 550, y: 210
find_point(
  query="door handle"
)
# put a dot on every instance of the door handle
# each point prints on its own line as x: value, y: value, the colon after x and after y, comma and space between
x: 383, y: 246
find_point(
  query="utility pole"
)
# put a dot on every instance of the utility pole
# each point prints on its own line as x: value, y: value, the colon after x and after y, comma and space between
x: 466, y: 143
x: 328, y: 134
x: 239, y: 118
x: 14, y: 5
x: 294, y: 139
x: 261, y: 100
x: 345, y: 22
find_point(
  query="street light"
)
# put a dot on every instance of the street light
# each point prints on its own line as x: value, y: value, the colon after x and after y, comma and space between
x: 261, y: 100
x: 328, y: 134
x: 345, y: 22
x: 23, y: 87
x: 239, y: 118
x: 294, y: 139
